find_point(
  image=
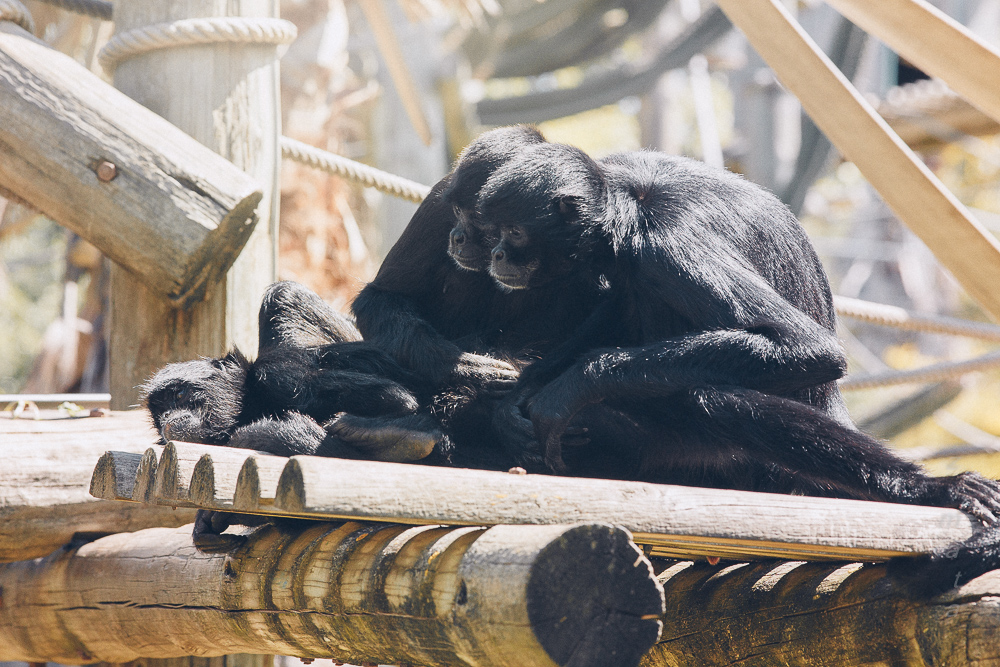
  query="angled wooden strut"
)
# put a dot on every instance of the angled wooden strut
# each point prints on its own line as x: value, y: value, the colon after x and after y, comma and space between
x: 170, y: 211
x: 670, y: 520
x: 936, y: 43
x: 934, y: 214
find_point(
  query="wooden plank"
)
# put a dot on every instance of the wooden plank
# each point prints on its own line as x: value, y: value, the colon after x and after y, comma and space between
x: 226, y: 97
x: 524, y: 596
x: 959, y: 241
x: 675, y: 520
x: 934, y: 42
x: 807, y: 614
x: 162, y: 206
x: 45, y: 482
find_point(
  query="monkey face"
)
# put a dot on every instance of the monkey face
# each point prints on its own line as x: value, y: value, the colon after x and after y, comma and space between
x: 197, y: 401
x: 468, y: 244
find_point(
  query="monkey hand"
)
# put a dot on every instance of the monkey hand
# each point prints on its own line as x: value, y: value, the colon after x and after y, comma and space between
x: 551, y: 411
x: 970, y: 492
x: 516, y: 432
x: 487, y: 373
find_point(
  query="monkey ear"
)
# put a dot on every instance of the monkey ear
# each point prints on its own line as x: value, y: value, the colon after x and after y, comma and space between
x: 568, y: 208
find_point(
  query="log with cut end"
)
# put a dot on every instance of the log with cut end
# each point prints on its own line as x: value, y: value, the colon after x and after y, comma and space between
x: 795, y: 613
x: 520, y: 596
x: 672, y: 520
x: 191, y: 475
x: 46, y: 478
x: 154, y: 200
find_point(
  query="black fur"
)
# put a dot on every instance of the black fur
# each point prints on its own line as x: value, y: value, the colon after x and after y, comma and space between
x: 313, y: 389
x: 715, y: 353
x: 441, y: 315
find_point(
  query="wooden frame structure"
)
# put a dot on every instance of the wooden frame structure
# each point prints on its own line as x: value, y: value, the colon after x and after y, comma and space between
x: 573, y: 589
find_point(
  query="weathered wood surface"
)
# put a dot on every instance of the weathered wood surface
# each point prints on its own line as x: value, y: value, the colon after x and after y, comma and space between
x: 511, y: 595
x: 45, y: 475
x: 934, y: 42
x: 958, y: 240
x: 226, y: 97
x: 673, y: 520
x: 175, y: 214
x: 848, y: 615
x: 184, y: 474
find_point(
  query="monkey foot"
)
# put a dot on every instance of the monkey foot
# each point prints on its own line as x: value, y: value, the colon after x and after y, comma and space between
x: 398, y: 440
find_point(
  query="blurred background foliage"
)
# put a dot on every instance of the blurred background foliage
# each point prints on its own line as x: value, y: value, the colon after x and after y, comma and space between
x: 605, y: 75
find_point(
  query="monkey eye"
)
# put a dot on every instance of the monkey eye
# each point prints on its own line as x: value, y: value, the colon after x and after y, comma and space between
x: 180, y: 394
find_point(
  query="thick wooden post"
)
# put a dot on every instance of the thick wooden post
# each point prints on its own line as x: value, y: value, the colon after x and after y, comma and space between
x: 226, y: 96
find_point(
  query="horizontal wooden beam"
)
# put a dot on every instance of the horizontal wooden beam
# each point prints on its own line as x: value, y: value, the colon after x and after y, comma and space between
x: 45, y: 479
x: 934, y: 42
x: 806, y: 614
x: 158, y: 203
x: 671, y: 520
x: 958, y: 240
x: 525, y: 596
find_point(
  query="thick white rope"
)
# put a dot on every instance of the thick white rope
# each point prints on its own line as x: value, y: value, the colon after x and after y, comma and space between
x: 15, y: 12
x: 99, y: 9
x: 355, y: 171
x: 892, y: 316
x: 187, y: 32
x: 933, y: 373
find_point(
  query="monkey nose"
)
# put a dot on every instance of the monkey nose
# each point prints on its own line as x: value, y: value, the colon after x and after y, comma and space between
x: 498, y: 255
x: 458, y: 237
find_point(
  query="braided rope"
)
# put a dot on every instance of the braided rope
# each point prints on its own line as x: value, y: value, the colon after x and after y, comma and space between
x: 99, y: 9
x: 892, y: 316
x: 195, y: 31
x: 932, y: 373
x: 15, y: 12
x: 355, y: 171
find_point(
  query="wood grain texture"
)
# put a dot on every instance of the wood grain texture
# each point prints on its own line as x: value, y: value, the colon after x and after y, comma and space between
x: 675, y: 520
x: 934, y: 42
x: 356, y: 593
x: 226, y: 97
x: 175, y: 216
x: 45, y: 482
x: 795, y: 613
x: 934, y: 214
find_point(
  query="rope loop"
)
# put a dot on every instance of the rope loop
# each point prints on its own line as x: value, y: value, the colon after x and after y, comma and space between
x: 187, y: 32
x: 355, y: 171
x: 15, y: 12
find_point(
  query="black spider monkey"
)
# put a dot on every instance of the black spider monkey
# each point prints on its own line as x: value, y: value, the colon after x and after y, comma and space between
x: 314, y: 388
x: 715, y: 353
x: 434, y: 308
